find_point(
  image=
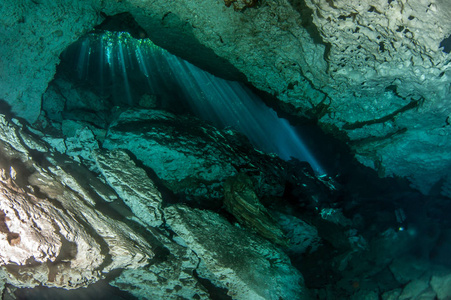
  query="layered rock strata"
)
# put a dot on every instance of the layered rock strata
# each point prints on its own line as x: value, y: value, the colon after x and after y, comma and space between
x: 241, y: 201
x: 132, y: 185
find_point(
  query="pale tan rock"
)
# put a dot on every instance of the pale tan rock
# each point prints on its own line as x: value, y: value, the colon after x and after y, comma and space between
x: 49, y: 233
x: 126, y: 248
x: 54, y: 249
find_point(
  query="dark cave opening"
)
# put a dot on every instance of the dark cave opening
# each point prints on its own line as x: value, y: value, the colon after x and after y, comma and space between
x: 446, y: 44
x: 130, y: 87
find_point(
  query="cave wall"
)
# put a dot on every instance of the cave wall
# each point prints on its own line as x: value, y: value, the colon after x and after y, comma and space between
x: 389, y: 83
x: 33, y: 34
x: 370, y: 69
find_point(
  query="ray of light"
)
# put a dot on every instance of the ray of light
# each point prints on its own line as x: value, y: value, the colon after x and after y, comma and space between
x: 122, y: 63
x: 226, y: 103
x: 82, y: 59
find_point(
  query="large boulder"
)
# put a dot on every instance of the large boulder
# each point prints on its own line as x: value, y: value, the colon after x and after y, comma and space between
x: 248, y: 266
x: 51, y: 232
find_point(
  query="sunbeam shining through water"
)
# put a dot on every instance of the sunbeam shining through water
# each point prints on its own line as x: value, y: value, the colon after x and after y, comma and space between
x: 125, y: 68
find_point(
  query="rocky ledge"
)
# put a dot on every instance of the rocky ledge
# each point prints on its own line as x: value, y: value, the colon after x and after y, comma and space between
x: 51, y: 232
x: 65, y: 226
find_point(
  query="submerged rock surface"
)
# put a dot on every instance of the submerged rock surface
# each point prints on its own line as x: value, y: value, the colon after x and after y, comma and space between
x: 57, y: 232
x: 171, y: 276
x: 132, y: 185
x: 247, y: 265
x: 373, y: 73
x: 99, y: 209
x: 51, y: 233
x: 190, y: 156
x: 242, y: 202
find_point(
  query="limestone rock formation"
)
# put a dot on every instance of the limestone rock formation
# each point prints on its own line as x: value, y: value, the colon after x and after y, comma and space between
x: 51, y: 234
x: 242, y: 202
x: 33, y: 36
x: 302, y: 236
x: 170, y: 277
x: 191, y: 156
x: 131, y: 184
x: 247, y: 265
x: 389, y: 82
x: 374, y: 71
x: 376, y: 74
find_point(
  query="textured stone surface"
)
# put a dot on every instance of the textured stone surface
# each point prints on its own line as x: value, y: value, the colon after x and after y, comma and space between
x: 33, y: 35
x: 302, y: 236
x: 131, y: 184
x: 242, y: 202
x: 247, y: 265
x: 441, y: 284
x: 371, y: 70
x: 391, y: 295
x: 50, y: 232
x: 170, y: 277
x: 189, y: 155
x: 414, y: 288
x: 388, y: 83
x: 168, y: 145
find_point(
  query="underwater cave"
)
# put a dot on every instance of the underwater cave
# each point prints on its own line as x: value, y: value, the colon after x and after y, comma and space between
x: 224, y: 150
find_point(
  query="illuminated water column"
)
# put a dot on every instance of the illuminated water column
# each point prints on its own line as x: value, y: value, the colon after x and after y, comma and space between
x: 231, y: 104
x: 83, y: 59
x: 123, y: 67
